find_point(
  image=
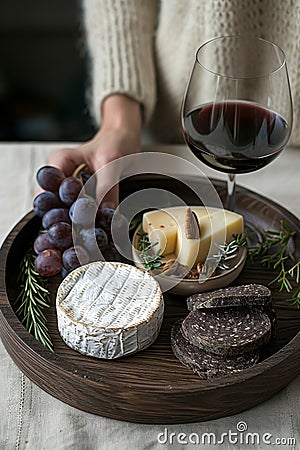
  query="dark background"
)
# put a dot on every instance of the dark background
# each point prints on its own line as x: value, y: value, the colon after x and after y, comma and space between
x: 43, y: 72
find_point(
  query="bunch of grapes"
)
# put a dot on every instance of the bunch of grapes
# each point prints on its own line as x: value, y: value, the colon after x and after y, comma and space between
x: 64, y: 215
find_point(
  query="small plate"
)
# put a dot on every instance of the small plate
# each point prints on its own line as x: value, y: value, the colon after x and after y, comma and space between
x: 187, y: 287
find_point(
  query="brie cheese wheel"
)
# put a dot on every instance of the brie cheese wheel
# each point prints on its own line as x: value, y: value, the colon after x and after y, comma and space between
x: 109, y: 309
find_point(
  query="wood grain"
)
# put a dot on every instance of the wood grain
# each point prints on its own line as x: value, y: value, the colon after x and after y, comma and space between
x: 152, y: 386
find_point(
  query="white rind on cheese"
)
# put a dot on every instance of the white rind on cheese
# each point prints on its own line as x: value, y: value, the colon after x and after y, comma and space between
x: 109, y: 309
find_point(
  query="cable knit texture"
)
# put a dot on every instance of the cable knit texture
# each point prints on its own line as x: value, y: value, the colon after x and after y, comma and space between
x: 146, y: 49
x: 120, y: 39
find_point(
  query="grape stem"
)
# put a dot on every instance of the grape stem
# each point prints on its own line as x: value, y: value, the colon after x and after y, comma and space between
x: 79, y: 169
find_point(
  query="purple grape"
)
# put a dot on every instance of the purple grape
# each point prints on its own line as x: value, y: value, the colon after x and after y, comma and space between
x: 60, y: 235
x: 92, y: 239
x: 104, y: 218
x: 83, y: 211
x: 42, y: 243
x: 49, y: 178
x: 74, y: 257
x: 45, y: 201
x: 89, y: 182
x: 69, y: 190
x: 64, y: 272
x: 48, y: 263
x: 110, y: 253
x: 55, y: 215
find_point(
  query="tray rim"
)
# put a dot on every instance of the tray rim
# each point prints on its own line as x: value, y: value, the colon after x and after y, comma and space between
x: 37, y: 350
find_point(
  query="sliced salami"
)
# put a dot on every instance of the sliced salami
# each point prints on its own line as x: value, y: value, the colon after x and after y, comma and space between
x: 208, y: 365
x: 244, y: 295
x: 227, y: 331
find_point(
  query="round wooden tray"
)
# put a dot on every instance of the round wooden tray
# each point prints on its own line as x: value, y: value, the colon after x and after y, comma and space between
x: 152, y: 386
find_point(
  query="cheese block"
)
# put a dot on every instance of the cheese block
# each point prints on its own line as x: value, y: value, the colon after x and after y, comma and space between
x: 163, y: 225
x: 109, y: 309
x: 217, y: 228
x: 161, y: 228
x: 167, y: 229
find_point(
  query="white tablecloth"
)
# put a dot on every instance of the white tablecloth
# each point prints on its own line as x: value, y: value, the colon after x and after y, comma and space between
x: 33, y: 420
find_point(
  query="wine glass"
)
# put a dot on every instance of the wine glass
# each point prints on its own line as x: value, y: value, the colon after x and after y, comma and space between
x: 237, y: 108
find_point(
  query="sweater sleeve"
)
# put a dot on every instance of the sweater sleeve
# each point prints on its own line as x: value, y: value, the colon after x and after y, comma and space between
x: 120, y: 37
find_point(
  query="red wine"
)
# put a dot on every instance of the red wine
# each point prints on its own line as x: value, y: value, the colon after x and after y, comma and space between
x: 235, y: 136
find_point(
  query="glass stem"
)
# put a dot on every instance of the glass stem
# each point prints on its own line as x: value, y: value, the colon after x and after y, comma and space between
x: 230, y: 200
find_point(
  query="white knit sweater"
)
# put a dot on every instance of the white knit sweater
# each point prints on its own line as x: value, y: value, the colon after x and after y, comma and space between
x: 146, y: 48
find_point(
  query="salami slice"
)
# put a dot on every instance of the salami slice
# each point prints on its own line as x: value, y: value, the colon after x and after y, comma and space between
x: 227, y: 331
x: 244, y: 295
x: 208, y: 365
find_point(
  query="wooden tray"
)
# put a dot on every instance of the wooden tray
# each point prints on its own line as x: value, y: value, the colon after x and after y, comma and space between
x: 152, y: 386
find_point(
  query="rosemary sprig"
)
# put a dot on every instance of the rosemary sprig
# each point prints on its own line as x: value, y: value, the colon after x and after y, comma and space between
x: 273, y: 252
x: 284, y: 278
x: 230, y: 250
x: 32, y: 299
x: 136, y: 221
x: 149, y: 259
x: 225, y: 253
x: 265, y: 250
x: 295, y: 297
x: 241, y: 239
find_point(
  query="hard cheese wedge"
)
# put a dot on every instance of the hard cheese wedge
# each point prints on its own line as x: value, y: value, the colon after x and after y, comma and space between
x: 217, y: 228
x: 162, y: 229
x: 167, y: 228
x: 163, y: 226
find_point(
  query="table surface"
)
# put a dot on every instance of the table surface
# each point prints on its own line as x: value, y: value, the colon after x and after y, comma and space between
x: 31, y: 419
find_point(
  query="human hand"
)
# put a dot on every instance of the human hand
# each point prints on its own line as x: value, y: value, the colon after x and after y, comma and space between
x: 119, y: 136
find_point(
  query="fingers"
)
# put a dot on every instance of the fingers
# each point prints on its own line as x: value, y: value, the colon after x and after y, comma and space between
x: 106, y: 169
x: 107, y: 176
x: 67, y: 159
